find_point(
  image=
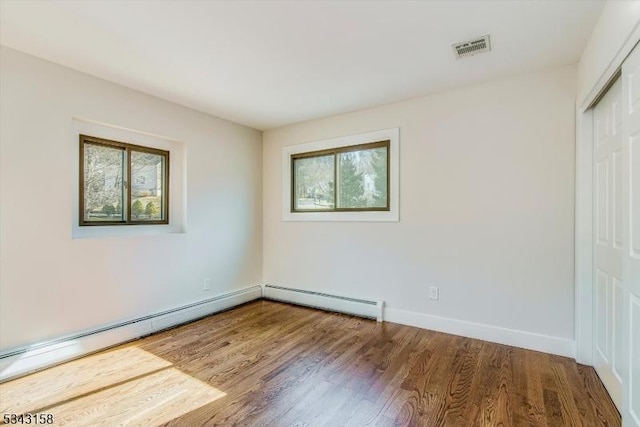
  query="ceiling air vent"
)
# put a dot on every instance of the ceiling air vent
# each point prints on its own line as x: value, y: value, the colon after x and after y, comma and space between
x: 472, y: 47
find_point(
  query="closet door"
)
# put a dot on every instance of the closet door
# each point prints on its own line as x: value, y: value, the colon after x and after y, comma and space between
x: 609, y: 357
x: 631, y: 237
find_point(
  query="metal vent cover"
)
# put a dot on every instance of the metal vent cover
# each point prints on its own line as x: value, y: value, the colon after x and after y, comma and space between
x: 472, y: 47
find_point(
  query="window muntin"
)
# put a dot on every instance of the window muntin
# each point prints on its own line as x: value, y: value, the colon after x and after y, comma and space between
x: 342, y: 179
x: 122, y: 184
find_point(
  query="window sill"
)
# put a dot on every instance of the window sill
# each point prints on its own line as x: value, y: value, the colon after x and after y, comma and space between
x: 372, y: 216
x: 95, y: 232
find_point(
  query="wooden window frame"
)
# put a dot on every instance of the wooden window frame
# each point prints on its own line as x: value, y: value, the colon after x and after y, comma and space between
x: 128, y: 149
x: 335, y: 152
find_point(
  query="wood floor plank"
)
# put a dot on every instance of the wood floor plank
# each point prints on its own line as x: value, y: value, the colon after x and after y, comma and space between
x: 528, y: 393
x: 272, y: 364
x: 570, y: 411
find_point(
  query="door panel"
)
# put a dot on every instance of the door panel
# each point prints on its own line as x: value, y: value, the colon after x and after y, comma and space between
x: 634, y: 194
x: 602, y: 202
x: 616, y: 173
x: 634, y: 356
x: 602, y: 308
x: 609, y: 241
x: 617, y: 327
x: 631, y: 235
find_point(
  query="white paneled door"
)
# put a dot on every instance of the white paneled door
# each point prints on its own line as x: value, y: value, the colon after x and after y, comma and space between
x: 608, y: 246
x: 631, y: 236
x: 616, y: 293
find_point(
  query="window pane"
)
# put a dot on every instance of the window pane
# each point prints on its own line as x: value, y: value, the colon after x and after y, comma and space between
x: 103, y: 189
x: 313, y: 183
x: 362, y: 179
x: 147, y: 186
x: 376, y: 185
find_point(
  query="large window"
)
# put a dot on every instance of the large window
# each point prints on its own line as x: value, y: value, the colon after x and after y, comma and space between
x: 351, y: 178
x: 122, y: 184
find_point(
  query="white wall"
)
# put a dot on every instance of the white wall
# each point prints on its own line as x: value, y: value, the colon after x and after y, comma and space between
x: 486, y: 209
x: 51, y: 284
x: 613, y: 37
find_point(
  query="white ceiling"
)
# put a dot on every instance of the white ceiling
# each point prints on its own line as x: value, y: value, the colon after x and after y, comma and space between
x: 269, y: 63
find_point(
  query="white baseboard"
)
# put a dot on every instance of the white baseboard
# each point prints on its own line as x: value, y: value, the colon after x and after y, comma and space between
x: 19, y: 362
x: 529, y: 340
x: 24, y: 360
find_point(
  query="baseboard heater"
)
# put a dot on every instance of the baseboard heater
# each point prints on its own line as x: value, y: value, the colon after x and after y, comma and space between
x: 355, y: 306
x: 21, y: 361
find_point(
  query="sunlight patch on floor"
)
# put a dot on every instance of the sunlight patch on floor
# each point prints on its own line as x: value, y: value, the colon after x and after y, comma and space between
x: 125, y: 386
x: 148, y: 401
x: 76, y: 378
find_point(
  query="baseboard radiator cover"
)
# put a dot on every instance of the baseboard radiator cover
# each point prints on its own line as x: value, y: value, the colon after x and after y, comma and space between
x: 355, y: 306
x: 24, y: 360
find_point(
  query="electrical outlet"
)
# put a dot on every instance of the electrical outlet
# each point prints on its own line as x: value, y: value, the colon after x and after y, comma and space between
x: 434, y: 292
x: 206, y: 284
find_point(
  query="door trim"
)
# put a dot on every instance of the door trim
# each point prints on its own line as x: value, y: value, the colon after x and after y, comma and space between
x: 584, y: 238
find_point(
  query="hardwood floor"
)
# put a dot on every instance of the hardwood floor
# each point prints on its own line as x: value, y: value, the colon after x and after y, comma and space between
x: 272, y: 364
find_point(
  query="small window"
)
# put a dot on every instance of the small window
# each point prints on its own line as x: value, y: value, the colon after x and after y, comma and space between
x: 122, y: 184
x: 353, y: 178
